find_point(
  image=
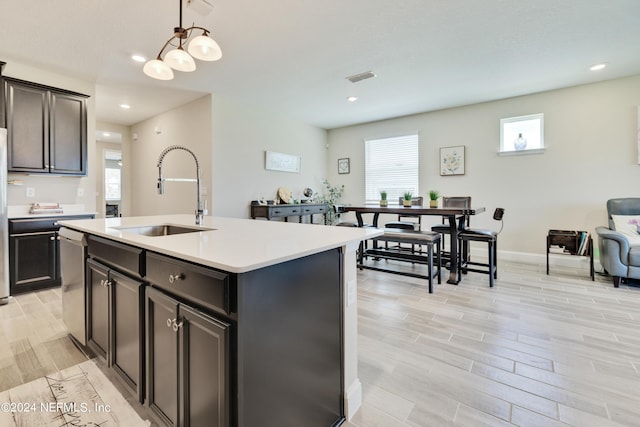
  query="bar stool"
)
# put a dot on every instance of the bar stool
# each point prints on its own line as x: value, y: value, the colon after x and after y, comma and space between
x: 482, y: 235
x: 403, y: 225
x: 407, y: 225
x: 338, y: 211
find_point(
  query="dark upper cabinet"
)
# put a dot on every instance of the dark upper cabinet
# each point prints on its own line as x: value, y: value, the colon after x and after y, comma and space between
x: 46, y: 129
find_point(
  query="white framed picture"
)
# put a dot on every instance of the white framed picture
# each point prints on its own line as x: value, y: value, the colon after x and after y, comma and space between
x: 452, y: 160
x: 282, y: 162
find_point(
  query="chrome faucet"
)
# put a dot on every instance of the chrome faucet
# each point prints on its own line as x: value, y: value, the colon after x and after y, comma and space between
x: 161, y: 180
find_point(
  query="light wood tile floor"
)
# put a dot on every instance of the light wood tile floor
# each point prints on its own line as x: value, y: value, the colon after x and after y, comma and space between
x: 535, y: 350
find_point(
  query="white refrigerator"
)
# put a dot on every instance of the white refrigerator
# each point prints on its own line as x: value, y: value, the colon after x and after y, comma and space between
x: 4, y: 225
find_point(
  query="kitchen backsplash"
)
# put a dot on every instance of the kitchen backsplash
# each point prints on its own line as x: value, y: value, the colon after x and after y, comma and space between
x: 29, y: 189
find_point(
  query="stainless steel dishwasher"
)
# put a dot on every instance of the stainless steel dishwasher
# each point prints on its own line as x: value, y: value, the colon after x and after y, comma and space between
x: 73, y: 254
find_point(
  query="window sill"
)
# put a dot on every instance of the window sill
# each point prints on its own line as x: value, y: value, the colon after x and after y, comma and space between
x: 522, y: 152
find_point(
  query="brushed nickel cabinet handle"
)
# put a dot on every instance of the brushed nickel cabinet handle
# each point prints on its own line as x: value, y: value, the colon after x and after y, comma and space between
x: 175, y: 277
x: 176, y: 325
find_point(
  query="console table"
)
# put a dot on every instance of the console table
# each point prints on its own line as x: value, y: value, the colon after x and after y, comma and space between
x: 287, y: 210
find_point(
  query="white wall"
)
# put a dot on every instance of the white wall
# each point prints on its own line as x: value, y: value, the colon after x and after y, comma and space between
x: 63, y: 190
x: 188, y: 125
x: 590, y: 132
x: 241, y: 135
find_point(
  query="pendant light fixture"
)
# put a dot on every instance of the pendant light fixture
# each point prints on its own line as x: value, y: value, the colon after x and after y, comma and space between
x: 200, y: 47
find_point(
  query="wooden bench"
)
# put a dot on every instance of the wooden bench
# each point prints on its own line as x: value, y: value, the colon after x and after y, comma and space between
x: 414, y: 237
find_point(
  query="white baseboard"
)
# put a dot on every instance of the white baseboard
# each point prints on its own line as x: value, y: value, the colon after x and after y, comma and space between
x: 555, y: 260
x: 353, y: 399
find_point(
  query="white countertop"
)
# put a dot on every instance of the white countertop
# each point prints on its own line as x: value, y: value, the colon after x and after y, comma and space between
x: 236, y: 245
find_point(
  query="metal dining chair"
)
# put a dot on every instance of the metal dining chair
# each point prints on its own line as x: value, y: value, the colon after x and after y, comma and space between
x: 483, y: 235
x: 407, y: 225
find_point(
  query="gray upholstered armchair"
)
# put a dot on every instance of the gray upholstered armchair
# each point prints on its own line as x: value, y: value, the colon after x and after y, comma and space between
x: 619, y: 244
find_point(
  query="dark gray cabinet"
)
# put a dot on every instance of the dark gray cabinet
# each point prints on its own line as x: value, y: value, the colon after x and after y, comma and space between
x: 34, y: 253
x: 98, y: 308
x: 46, y: 129
x: 285, y: 211
x: 187, y: 363
x: 259, y: 348
x: 162, y: 356
x: 25, y: 275
x: 115, y: 320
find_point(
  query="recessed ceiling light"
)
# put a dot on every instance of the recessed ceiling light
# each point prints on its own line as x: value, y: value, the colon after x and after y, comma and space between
x: 106, y: 134
x: 352, y: 98
x: 138, y: 58
x: 125, y: 106
x: 598, y: 67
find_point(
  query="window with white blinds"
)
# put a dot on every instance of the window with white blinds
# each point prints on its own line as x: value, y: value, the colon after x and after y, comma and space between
x: 391, y: 164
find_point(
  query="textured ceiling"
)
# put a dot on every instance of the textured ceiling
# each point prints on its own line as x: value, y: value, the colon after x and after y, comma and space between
x: 292, y: 56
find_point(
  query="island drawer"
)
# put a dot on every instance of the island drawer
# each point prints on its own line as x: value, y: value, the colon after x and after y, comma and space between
x: 202, y: 286
x: 122, y: 257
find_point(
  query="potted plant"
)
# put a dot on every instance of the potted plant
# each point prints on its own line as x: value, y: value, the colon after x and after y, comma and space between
x: 383, y: 198
x: 407, y: 199
x: 331, y: 196
x: 433, y: 198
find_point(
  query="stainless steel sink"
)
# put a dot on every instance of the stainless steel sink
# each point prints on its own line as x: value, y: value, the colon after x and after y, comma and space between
x: 162, y: 230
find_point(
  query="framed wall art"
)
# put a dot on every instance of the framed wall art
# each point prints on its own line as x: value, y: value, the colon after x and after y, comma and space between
x: 344, y: 166
x: 281, y: 162
x: 452, y: 160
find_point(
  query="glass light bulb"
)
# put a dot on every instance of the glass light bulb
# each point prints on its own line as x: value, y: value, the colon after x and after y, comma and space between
x: 204, y: 48
x: 157, y: 69
x: 180, y: 60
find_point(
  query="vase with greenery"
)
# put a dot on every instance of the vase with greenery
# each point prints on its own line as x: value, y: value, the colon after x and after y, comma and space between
x: 407, y: 199
x: 383, y: 198
x: 434, y: 195
x: 331, y: 195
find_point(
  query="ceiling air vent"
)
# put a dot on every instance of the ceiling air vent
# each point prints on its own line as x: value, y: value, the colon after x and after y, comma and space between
x: 202, y: 7
x: 362, y: 76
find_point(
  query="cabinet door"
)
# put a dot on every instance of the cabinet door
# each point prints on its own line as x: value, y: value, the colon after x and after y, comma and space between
x: 205, y: 369
x: 68, y: 134
x: 98, y: 308
x: 127, y: 333
x: 27, y: 127
x: 33, y: 258
x: 162, y: 356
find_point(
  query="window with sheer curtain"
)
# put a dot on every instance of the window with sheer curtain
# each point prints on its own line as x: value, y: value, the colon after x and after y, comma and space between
x: 391, y: 164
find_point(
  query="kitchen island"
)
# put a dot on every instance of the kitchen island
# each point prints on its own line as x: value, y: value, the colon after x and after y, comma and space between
x: 236, y: 322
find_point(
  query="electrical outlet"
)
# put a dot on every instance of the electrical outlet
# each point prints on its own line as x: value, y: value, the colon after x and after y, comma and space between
x: 80, y: 192
x: 31, y: 192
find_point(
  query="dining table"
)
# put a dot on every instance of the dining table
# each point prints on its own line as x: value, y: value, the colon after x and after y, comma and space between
x: 455, y: 216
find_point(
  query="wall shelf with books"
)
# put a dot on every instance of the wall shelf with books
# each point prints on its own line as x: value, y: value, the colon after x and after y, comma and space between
x: 571, y: 242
